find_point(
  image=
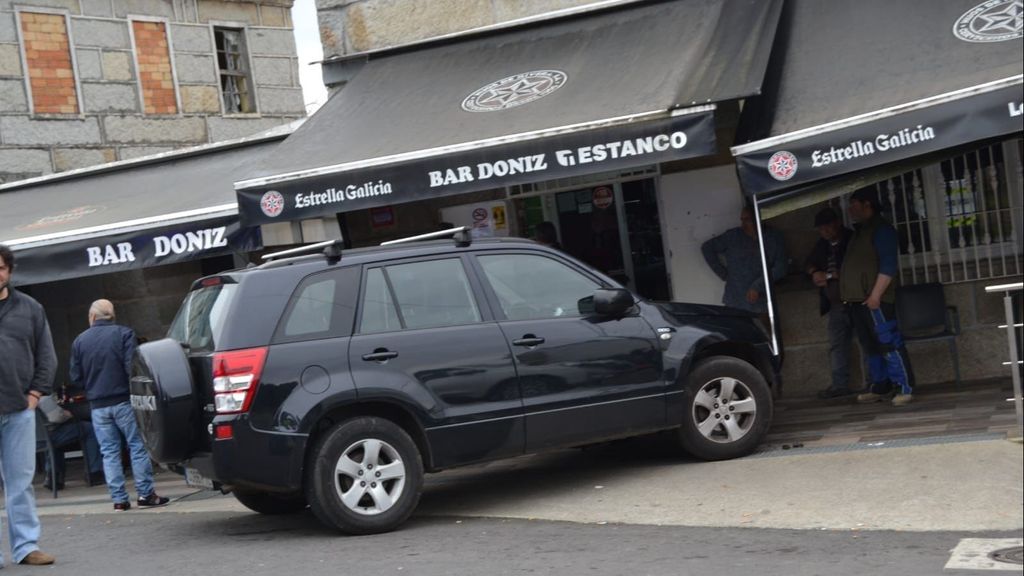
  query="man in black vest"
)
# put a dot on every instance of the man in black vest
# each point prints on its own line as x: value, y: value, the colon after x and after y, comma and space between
x: 868, y: 285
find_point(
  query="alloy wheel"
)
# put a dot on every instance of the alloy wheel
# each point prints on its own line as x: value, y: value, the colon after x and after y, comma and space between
x: 370, y: 477
x: 724, y: 410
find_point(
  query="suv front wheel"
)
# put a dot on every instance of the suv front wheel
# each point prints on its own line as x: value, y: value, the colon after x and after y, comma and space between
x: 365, y: 477
x: 727, y: 409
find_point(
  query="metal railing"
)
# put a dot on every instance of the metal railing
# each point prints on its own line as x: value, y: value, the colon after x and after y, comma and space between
x: 1011, y: 336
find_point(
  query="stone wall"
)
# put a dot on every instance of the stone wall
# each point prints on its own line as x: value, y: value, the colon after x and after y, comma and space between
x: 348, y: 26
x: 113, y: 124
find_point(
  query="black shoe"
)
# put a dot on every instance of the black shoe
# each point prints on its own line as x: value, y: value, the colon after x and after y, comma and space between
x: 97, y: 478
x: 153, y: 500
x: 49, y: 486
x: 830, y: 393
x: 122, y: 506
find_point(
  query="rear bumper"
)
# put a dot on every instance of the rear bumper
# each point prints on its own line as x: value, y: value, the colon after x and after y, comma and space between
x: 252, y: 459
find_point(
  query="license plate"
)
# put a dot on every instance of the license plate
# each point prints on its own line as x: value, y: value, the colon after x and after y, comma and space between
x: 196, y: 479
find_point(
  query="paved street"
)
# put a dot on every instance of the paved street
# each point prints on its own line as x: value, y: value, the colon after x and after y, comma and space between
x: 623, y: 509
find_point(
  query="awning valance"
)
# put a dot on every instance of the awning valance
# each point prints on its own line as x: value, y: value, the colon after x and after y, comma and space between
x: 168, y: 208
x: 619, y: 88
x: 856, y: 85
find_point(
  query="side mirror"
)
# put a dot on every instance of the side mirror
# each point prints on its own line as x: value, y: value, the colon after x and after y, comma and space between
x: 613, y: 301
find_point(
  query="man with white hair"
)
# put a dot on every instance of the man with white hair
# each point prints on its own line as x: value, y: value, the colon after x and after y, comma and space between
x: 101, y: 362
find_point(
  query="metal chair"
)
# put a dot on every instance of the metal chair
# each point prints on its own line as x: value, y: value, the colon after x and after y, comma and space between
x: 923, y: 316
x: 45, y: 446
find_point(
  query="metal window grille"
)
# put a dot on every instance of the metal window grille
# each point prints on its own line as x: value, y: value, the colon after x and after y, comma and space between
x: 233, y: 65
x: 961, y: 219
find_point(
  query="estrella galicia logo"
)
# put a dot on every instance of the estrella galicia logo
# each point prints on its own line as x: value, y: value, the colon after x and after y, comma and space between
x: 272, y: 203
x: 782, y: 165
x: 991, y: 21
x: 515, y: 91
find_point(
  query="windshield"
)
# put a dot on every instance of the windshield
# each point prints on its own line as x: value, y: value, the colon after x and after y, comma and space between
x: 200, y: 320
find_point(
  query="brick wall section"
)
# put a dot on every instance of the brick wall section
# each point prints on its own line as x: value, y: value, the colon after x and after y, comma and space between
x: 48, y: 54
x: 155, y: 74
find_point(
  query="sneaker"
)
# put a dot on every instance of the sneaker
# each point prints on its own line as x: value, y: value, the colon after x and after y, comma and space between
x: 153, y: 500
x: 830, y: 393
x: 37, y: 558
x: 122, y: 506
x: 869, y: 397
x: 902, y: 399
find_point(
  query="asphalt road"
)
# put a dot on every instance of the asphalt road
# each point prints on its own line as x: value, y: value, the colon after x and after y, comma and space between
x: 245, y: 544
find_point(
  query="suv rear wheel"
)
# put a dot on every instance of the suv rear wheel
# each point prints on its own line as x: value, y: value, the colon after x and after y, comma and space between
x: 365, y: 477
x: 727, y: 409
x: 269, y: 503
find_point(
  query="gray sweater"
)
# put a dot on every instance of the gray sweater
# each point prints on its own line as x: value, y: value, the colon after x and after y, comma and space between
x: 27, y: 358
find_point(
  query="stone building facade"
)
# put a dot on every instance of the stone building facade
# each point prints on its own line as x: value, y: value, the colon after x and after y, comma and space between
x: 84, y: 82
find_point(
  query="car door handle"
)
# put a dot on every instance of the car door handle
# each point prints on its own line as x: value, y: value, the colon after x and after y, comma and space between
x: 528, y: 340
x: 380, y: 355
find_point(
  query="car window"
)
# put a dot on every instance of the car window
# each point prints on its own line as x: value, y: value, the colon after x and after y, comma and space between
x: 530, y: 287
x: 201, y: 318
x: 379, y: 314
x: 312, y: 310
x: 433, y: 293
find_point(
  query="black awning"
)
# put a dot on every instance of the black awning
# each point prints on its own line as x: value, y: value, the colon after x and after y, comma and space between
x: 855, y: 85
x: 160, y: 210
x: 587, y: 94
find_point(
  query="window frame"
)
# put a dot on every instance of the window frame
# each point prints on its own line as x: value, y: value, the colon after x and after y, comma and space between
x: 18, y: 10
x: 243, y: 29
x: 495, y: 303
x: 140, y: 91
x: 476, y: 292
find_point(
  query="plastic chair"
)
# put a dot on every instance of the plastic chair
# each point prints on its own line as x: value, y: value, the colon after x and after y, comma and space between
x: 923, y: 316
x: 45, y: 446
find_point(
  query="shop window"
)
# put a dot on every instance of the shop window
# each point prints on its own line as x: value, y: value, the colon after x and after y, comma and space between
x: 959, y: 219
x: 233, y: 65
x: 50, y: 76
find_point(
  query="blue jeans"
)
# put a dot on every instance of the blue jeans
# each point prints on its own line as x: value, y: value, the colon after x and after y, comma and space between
x: 110, y: 424
x: 71, y: 432
x: 18, y: 467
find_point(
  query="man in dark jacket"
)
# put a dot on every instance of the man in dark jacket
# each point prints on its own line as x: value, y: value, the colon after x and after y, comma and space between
x: 868, y: 287
x: 101, y: 360
x: 27, y: 367
x: 824, y: 266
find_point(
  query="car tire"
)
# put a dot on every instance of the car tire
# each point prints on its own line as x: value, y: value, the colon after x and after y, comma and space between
x: 365, y: 476
x: 269, y: 503
x: 727, y: 409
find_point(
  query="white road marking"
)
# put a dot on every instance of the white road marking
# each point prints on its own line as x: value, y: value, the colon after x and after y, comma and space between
x: 972, y: 554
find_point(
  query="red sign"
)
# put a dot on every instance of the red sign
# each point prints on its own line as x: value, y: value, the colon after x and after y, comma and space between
x: 603, y: 197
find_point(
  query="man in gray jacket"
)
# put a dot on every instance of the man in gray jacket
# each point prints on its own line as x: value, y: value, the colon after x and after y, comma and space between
x: 26, y: 374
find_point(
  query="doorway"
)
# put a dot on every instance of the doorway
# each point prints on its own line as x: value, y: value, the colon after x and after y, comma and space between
x: 614, y: 227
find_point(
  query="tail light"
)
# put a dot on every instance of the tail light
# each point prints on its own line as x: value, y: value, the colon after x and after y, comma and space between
x: 236, y: 374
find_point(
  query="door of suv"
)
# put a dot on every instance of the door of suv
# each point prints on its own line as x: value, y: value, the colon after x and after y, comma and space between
x: 422, y: 338
x: 583, y: 377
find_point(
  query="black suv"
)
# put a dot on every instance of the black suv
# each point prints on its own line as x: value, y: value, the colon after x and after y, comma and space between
x: 336, y: 380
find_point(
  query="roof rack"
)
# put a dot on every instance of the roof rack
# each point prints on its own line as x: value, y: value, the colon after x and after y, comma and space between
x: 331, y: 249
x: 461, y: 236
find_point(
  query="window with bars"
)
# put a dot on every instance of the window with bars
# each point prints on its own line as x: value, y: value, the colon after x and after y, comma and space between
x: 235, y: 77
x: 959, y: 219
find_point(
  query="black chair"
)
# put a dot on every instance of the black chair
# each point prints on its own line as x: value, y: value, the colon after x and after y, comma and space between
x: 924, y: 317
x: 45, y: 447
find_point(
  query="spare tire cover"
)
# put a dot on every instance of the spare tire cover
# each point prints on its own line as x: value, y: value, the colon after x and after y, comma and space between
x: 163, y: 399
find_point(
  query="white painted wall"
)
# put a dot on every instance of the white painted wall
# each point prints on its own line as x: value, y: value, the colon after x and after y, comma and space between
x: 695, y: 206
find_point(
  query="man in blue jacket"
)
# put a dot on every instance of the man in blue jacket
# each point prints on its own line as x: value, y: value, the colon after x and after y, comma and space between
x: 27, y: 367
x: 101, y: 360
